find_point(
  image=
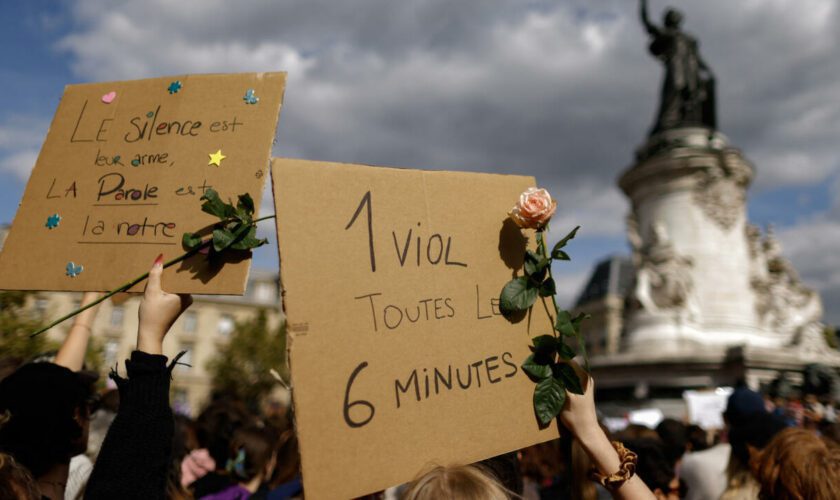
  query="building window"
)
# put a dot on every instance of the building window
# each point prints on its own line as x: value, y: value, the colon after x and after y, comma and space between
x: 117, y: 316
x: 190, y: 322
x: 112, y: 348
x: 226, y: 325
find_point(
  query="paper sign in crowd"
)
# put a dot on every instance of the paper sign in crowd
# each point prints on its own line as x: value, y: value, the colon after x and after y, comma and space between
x: 399, y: 355
x: 120, y: 174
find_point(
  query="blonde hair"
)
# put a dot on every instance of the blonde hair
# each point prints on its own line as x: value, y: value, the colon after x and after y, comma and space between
x: 798, y: 465
x: 461, y: 482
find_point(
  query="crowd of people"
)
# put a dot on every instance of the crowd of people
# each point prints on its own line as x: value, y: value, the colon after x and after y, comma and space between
x: 58, y: 440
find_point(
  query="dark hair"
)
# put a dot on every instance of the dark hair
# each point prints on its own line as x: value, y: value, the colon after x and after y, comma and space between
x: 674, y: 437
x: 757, y: 433
x: 42, y: 402
x: 654, y: 467
x: 288, y: 458
x: 217, y: 423
x: 251, y: 449
x: 697, y: 437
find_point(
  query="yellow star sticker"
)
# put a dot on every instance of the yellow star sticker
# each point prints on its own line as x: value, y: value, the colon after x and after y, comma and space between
x: 216, y: 158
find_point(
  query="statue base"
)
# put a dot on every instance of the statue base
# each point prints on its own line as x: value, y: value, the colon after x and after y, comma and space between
x: 686, y: 137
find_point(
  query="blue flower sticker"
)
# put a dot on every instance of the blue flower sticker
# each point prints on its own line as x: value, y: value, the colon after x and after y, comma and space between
x: 174, y: 87
x: 250, y: 98
x: 52, y: 221
x: 74, y: 270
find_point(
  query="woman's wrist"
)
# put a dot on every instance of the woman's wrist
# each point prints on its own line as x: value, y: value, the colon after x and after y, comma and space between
x: 149, y: 342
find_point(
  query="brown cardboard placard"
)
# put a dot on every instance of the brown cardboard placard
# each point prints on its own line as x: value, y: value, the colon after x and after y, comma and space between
x: 123, y: 166
x: 391, y: 279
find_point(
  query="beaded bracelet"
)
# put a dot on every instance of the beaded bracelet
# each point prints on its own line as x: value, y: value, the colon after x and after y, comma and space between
x: 625, y: 470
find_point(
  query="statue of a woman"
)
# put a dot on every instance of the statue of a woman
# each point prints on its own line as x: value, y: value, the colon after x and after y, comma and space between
x: 688, y: 88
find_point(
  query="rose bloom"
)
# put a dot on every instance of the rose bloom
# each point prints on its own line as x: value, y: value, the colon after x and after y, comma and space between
x: 534, y: 209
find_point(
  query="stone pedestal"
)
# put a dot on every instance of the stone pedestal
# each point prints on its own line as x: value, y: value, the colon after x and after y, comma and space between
x: 712, y: 301
x: 691, y: 251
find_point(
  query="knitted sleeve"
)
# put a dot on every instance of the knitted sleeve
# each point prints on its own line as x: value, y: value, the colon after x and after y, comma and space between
x: 134, y: 458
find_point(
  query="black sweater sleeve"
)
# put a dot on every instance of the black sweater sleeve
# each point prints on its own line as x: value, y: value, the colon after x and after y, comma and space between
x: 134, y: 458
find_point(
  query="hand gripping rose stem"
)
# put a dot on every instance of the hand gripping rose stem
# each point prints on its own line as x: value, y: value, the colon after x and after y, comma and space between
x: 189, y: 253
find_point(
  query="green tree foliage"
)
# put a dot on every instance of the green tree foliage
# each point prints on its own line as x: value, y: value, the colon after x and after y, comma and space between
x: 243, y: 367
x: 17, y: 321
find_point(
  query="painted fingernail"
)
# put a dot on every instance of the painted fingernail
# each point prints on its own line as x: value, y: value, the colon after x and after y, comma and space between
x: 159, y: 260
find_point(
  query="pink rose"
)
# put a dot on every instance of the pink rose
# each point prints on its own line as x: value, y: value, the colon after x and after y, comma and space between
x: 534, y: 209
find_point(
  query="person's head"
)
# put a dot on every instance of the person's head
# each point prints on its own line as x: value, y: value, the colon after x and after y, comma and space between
x: 754, y: 433
x: 462, y: 482
x: 672, y: 18
x: 674, y: 436
x: 654, y: 468
x: 797, y: 464
x: 47, y: 411
x: 743, y: 404
x: 15, y: 480
x: 698, y: 439
x: 253, y: 454
x: 215, y: 427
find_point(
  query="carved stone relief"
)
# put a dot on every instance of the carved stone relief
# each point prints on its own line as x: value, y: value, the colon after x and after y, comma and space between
x: 663, y: 277
x: 721, y: 190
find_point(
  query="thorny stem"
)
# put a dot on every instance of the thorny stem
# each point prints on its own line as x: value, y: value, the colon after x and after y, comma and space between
x: 189, y: 253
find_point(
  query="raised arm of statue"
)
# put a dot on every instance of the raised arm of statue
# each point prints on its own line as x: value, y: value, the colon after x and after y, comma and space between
x: 649, y: 26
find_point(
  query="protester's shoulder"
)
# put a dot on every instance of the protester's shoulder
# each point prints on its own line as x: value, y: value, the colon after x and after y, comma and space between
x: 711, y: 456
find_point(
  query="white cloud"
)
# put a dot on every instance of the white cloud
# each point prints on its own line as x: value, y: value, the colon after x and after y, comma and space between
x: 19, y: 163
x: 563, y: 91
x: 20, y: 142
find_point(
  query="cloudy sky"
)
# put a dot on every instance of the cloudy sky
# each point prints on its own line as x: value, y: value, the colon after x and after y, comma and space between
x: 563, y: 90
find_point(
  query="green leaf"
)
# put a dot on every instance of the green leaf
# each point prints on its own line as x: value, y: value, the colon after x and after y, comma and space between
x: 535, y: 368
x: 577, y: 320
x: 517, y: 295
x: 548, y: 288
x: 246, y: 203
x: 190, y: 240
x: 581, y: 342
x: 249, y: 241
x: 549, y: 396
x: 566, y: 352
x: 560, y: 244
x: 535, y: 265
x: 569, y: 377
x: 213, y: 205
x: 545, y: 345
x: 564, y: 323
x: 560, y: 255
x: 222, y: 238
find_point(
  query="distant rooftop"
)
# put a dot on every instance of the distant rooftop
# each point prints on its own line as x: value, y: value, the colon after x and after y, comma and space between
x: 611, y: 276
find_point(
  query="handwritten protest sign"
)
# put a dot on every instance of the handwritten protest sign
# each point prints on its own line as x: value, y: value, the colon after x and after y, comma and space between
x: 120, y: 174
x: 399, y: 354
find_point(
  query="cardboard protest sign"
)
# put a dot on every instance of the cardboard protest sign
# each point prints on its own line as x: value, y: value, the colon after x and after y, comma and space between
x: 120, y: 174
x: 399, y: 355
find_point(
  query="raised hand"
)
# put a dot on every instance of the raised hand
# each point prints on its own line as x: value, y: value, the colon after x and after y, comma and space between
x: 158, y: 311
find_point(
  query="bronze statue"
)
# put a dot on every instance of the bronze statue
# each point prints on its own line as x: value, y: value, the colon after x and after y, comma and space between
x: 688, y: 92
